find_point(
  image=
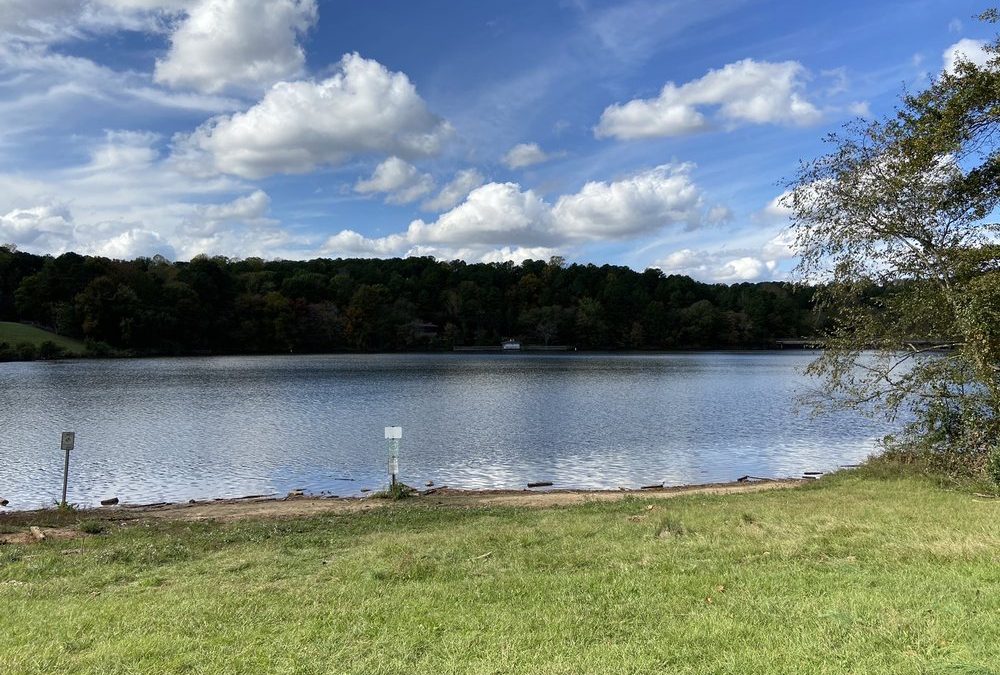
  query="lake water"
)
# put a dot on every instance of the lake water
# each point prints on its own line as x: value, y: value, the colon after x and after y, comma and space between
x: 154, y: 430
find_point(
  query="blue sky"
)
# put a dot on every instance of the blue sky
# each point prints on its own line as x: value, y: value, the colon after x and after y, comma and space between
x: 645, y: 133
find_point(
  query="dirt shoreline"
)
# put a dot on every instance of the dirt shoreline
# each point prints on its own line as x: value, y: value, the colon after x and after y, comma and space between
x: 226, y: 510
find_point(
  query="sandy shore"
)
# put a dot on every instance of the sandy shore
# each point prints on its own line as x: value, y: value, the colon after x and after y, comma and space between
x: 304, y: 506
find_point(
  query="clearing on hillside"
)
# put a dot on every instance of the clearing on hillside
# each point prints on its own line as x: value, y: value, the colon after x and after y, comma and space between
x: 17, y: 333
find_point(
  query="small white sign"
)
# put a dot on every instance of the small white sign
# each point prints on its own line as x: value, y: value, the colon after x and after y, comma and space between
x: 393, y: 433
x: 68, y: 440
x: 394, y: 466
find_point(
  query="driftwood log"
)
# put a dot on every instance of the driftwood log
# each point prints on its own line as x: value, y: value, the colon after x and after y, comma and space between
x: 544, y: 483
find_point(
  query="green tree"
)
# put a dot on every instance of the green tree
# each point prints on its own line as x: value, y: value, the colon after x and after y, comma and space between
x: 894, y: 224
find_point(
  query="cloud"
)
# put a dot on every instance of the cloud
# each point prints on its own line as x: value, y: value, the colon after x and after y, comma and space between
x: 36, y: 225
x: 50, y: 21
x: 524, y: 154
x: 966, y: 49
x: 748, y: 91
x: 40, y: 89
x: 748, y: 254
x: 839, y: 81
x: 36, y: 20
x: 781, y: 246
x: 350, y: 244
x: 241, y: 45
x: 492, y: 215
x: 860, y: 109
x: 134, y: 243
x: 464, y: 182
x: 52, y: 228
x: 717, y: 267
x: 719, y: 214
x: 215, y: 45
x: 364, y: 109
x: 126, y: 200
x: 518, y: 254
x: 211, y: 219
x: 778, y: 210
x: 635, y: 205
x: 399, y: 180
x: 502, y: 219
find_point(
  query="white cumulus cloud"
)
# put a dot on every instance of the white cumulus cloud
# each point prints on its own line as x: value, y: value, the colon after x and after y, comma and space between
x: 399, y: 180
x: 524, y: 154
x: 363, y: 109
x: 206, y: 221
x: 492, y: 215
x: 133, y: 243
x: 635, y: 205
x: 748, y: 91
x: 966, y: 49
x: 457, y: 189
x: 51, y: 228
x: 504, y: 221
x: 717, y: 267
x: 41, y: 226
x: 241, y: 45
x: 126, y: 200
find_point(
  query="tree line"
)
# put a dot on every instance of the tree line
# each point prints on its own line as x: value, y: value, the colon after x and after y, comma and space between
x: 218, y: 305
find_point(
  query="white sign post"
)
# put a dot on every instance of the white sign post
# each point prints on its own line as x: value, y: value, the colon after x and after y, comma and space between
x: 67, y: 443
x: 392, y: 437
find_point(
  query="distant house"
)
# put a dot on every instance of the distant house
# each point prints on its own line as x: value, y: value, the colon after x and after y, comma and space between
x: 423, y: 329
x: 510, y: 346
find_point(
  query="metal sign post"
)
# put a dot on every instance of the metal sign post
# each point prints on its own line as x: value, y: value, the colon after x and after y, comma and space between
x: 392, y: 437
x: 67, y: 442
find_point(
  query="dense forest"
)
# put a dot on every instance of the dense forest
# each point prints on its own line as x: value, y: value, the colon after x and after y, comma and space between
x: 251, y: 306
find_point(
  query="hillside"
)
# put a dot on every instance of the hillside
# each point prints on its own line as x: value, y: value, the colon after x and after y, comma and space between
x: 19, y: 333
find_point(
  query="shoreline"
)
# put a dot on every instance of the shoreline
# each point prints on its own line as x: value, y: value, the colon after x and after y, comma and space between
x: 299, y: 506
x: 437, y: 352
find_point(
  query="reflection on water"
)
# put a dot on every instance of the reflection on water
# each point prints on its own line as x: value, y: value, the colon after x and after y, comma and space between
x: 173, y: 429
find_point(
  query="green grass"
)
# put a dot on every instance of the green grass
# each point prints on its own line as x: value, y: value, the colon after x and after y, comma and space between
x: 16, y: 333
x: 854, y: 573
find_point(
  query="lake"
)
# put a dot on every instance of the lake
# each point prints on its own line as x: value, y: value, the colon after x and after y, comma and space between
x: 150, y: 430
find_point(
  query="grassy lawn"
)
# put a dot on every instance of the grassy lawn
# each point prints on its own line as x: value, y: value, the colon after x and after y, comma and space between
x: 15, y: 333
x: 854, y: 573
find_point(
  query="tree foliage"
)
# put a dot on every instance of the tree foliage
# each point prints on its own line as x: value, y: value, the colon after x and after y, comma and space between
x: 895, y: 223
x: 226, y: 306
